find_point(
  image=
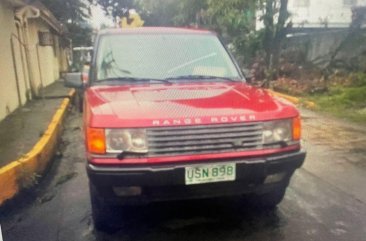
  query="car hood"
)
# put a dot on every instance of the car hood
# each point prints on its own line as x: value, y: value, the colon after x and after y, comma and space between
x: 181, y: 104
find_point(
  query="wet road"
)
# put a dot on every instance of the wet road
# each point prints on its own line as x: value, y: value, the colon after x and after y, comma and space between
x: 326, y: 199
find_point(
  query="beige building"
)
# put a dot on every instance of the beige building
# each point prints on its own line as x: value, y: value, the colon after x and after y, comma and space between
x: 33, y: 52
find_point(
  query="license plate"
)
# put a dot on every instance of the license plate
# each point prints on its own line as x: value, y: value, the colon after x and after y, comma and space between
x: 210, y: 173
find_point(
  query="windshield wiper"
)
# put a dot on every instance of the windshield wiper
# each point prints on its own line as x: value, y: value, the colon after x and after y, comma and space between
x: 200, y: 77
x: 133, y: 79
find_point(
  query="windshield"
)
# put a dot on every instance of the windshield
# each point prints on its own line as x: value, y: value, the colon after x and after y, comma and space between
x: 162, y: 56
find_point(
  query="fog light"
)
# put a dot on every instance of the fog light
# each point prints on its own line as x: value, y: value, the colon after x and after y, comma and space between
x: 127, y: 191
x: 277, y: 177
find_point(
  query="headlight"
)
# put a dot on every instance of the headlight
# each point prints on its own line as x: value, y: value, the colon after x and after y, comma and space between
x: 127, y: 140
x: 277, y: 131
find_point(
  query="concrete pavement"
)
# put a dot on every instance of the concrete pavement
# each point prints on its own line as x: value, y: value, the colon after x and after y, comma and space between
x: 29, y: 138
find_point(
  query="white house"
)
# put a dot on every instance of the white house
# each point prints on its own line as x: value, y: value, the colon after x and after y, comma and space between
x: 34, y: 50
x: 322, y: 13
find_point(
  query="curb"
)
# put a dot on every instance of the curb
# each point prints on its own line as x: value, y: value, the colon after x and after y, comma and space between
x: 22, y: 173
x: 294, y: 100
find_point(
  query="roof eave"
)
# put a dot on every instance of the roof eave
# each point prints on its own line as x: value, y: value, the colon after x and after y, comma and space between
x: 48, y: 17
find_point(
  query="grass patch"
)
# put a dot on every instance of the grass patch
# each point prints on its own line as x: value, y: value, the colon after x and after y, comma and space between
x: 346, y: 102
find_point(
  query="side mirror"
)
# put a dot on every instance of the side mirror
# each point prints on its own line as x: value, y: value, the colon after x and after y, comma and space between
x: 73, y: 80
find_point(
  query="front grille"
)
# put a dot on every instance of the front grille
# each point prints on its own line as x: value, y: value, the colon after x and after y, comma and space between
x: 204, y: 139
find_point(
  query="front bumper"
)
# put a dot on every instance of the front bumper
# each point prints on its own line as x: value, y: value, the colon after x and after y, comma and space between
x: 167, y: 181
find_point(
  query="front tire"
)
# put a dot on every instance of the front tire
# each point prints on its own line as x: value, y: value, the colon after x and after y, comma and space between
x: 104, y: 215
x: 268, y: 200
x: 79, y: 101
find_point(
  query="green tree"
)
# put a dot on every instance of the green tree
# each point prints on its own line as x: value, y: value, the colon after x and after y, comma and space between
x: 81, y: 35
x: 190, y: 12
x: 74, y: 14
x: 157, y: 12
x: 116, y: 8
x: 68, y: 11
x: 235, y: 21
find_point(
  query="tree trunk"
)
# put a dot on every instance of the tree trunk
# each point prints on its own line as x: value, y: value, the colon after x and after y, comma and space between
x: 280, y: 35
x: 268, y: 31
x: 274, y: 35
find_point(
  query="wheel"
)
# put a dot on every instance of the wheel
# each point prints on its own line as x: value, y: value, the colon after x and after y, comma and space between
x: 104, y: 216
x: 79, y: 101
x: 268, y: 200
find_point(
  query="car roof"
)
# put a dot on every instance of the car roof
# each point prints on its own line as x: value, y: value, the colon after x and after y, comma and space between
x: 156, y: 30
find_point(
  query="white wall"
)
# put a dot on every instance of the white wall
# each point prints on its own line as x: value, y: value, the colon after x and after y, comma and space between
x: 45, y: 61
x: 9, y: 92
x: 42, y: 56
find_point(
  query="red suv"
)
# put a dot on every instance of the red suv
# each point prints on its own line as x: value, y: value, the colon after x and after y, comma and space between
x: 169, y: 116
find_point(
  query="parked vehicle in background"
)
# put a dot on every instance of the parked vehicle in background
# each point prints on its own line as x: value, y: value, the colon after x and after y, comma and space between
x: 169, y: 116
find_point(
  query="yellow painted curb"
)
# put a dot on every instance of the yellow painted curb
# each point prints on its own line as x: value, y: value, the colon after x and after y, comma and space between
x: 292, y: 99
x: 22, y: 172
